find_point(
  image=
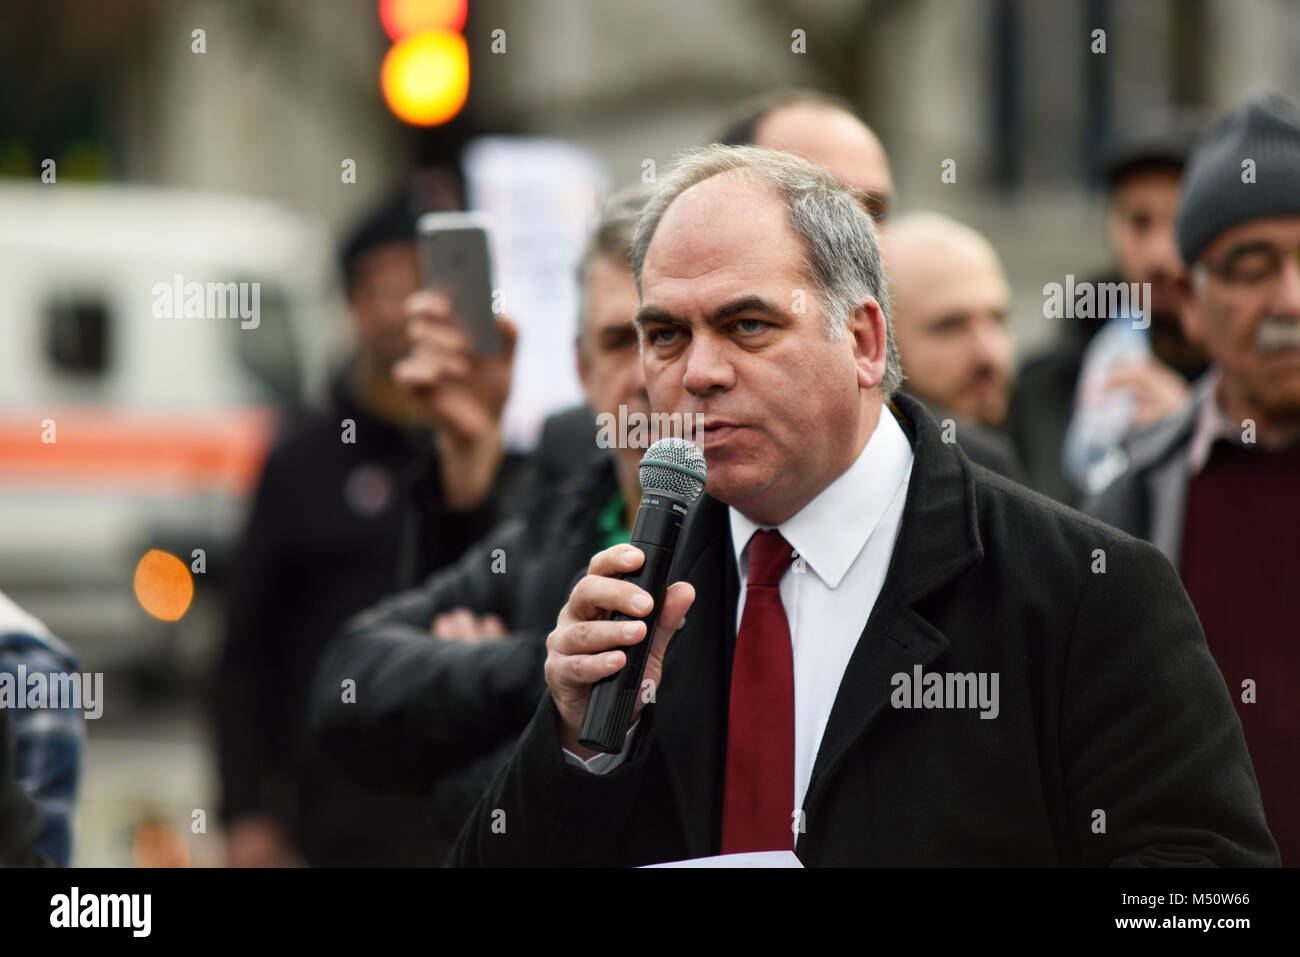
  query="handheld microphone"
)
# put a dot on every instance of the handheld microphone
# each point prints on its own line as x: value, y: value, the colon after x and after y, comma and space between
x: 672, y: 477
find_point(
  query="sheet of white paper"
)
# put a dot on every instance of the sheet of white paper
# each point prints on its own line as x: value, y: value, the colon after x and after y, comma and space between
x: 542, y: 195
x: 751, y: 859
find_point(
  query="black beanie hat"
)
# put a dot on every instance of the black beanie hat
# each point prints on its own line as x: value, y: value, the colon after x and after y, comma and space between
x: 1166, y: 138
x: 1266, y: 129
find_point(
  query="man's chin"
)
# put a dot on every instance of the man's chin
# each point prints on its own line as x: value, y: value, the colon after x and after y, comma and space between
x: 983, y: 407
x: 723, y: 484
x: 1281, y: 396
x: 993, y: 416
x: 735, y: 483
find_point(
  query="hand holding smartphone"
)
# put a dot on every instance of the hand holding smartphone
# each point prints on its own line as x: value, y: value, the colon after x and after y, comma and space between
x: 456, y: 261
x: 460, y: 365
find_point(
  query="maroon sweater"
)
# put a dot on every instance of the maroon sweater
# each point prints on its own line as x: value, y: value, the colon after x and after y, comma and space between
x: 1241, y: 567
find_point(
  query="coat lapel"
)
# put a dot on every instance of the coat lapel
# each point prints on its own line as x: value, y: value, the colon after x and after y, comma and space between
x: 938, y: 541
x: 697, y: 670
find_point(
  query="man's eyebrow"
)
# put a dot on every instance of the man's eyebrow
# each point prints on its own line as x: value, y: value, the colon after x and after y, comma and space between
x: 616, y: 329
x: 1249, y: 246
x: 745, y: 304
x: 648, y: 314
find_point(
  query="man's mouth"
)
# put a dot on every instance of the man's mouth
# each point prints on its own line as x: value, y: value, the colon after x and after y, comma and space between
x: 984, y: 384
x: 1277, y: 335
x: 715, y: 432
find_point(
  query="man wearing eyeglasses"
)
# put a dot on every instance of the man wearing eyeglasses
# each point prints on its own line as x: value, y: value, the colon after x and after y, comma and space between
x: 1217, y: 488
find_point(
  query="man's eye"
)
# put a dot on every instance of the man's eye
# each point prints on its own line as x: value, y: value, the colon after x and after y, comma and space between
x: 750, y: 326
x: 1253, y: 266
x: 661, y: 337
x: 620, y: 343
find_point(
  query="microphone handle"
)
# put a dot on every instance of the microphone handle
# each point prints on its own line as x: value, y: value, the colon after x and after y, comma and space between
x: 613, y: 698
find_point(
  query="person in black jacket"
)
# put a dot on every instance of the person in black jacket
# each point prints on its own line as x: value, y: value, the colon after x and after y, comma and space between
x: 329, y: 533
x: 971, y: 673
x: 447, y: 674
x: 413, y: 697
x: 1142, y: 170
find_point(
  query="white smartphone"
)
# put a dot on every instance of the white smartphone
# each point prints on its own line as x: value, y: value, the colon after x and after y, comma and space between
x: 456, y: 260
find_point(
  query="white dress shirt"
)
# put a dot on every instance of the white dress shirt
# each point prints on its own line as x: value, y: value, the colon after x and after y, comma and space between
x: 843, y: 540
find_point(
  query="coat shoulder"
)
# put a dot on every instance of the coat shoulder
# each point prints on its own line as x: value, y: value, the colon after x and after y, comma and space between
x: 1010, y: 513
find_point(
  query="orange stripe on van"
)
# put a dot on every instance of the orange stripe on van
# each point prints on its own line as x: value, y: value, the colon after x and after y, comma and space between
x: 136, y: 449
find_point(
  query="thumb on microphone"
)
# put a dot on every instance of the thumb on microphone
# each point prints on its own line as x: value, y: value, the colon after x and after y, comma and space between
x: 677, y: 601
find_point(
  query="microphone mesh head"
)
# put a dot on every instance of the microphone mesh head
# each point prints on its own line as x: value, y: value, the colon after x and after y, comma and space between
x: 673, y: 465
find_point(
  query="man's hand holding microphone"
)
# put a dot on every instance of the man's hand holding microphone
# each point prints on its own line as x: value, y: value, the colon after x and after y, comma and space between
x: 596, y: 685
x: 579, y: 649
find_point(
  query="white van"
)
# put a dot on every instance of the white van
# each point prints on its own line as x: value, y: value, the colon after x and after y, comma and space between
x: 129, y: 421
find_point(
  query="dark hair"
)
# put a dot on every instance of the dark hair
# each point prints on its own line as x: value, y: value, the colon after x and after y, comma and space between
x: 392, y: 222
x: 1162, y: 141
x: 610, y: 238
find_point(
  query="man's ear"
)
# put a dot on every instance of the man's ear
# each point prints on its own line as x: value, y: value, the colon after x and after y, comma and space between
x: 1191, y: 313
x: 868, y: 334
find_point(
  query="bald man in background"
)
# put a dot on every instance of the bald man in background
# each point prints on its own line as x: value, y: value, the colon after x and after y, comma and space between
x: 825, y: 130
x: 951, y: 299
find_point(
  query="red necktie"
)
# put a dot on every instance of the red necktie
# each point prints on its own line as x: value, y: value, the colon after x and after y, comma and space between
x: 759, y: 789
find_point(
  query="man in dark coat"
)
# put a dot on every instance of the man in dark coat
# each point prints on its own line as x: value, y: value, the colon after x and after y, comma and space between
x: 395, y: 730
x: 447, y: 674
x: 893, y: 656
x: 329, y: 534
x: 1214, y: 487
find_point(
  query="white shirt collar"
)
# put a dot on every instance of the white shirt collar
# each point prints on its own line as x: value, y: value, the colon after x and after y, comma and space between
x: 831, y: 530
x: 1211, y: 424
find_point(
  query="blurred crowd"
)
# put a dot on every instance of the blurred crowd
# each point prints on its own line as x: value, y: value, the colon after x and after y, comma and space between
x: 387, y: 618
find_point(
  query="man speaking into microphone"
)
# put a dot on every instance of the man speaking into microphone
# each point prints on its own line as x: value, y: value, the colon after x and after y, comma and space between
x: 891, y: 656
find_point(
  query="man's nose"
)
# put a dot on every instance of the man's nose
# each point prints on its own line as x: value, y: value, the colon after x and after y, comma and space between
x: 1287, y: 302
x: 1164, y: 253
x: 636, y: 371
x: 707, y: 367
x: 992, y: 345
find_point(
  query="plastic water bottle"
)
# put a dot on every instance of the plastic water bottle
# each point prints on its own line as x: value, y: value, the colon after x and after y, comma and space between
x: 1093, y: 454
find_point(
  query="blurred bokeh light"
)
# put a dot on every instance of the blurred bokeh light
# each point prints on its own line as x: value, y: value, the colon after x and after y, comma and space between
x: 163, y: 585
x: 403, y: 18
x: 426, y: 77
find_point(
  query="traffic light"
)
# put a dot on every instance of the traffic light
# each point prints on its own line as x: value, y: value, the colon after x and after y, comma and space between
x: 425, y: 76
